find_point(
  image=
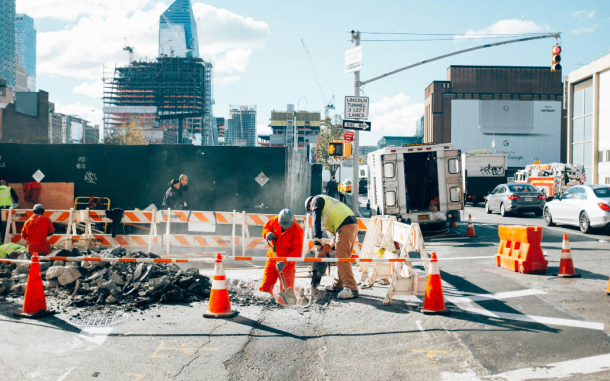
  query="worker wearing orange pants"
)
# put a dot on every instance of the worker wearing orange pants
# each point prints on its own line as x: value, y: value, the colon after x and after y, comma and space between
x: 287, y: 238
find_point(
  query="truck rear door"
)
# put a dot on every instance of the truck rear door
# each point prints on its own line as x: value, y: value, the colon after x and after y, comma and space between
x: 453, y: 175
x: 390, y: 184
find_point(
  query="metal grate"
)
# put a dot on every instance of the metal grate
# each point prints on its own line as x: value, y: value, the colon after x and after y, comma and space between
x: 99, y: 318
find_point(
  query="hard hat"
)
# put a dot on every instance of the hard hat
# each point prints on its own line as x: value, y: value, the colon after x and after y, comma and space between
x: 307, y: 203
x: 38, y: 207
x: 3, y: 182
x: 285, y: 218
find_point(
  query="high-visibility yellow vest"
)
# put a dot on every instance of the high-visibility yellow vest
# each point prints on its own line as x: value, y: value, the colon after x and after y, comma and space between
x: 5, y: 196
x: 334, y: 213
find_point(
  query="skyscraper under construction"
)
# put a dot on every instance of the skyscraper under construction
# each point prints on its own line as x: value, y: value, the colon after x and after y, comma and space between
x: 175, y: 88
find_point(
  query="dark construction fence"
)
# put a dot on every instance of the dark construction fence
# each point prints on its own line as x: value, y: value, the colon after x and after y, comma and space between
x: 220, y: 178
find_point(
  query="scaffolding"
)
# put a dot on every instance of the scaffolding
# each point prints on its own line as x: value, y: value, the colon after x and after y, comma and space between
x: 179, y: 88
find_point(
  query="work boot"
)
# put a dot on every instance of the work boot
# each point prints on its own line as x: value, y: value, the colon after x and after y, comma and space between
x: 348, y: 294
x: 332, y: 288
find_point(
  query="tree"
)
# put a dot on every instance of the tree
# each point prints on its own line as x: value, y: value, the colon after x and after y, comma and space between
x: 126, y: 135
x: 329, y: 131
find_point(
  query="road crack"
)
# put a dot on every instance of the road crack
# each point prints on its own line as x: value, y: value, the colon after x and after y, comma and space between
x: 199, y: 349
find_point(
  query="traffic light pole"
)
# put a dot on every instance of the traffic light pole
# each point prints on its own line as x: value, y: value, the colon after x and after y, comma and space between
x: 356, y: 142
x: 357, y: 84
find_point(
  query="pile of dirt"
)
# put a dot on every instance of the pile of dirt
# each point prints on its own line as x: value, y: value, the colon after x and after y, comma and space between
x: 90, y: 284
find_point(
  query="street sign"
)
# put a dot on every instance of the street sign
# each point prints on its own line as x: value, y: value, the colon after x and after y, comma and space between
x: 348, y: 136
x: 356, y: 125
x: 356, y: 108
x: 333, y: 161
x: 353, y: 59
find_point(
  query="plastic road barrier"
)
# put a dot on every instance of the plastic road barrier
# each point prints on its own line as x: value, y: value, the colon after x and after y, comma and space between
x: 520, y: 249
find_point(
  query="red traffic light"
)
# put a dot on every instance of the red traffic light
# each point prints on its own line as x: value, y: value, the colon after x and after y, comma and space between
x: 556, y: 49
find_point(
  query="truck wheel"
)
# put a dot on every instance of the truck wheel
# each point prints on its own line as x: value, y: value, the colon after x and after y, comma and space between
x: 503, y: 211
x: 548, y: 218
x: 487, y: 210
x: 584, y: 223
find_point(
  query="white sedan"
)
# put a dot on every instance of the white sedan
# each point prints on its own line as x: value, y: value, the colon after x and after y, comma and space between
x: 585, y: 206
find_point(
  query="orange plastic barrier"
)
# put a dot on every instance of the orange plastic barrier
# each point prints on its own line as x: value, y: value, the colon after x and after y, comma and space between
x: 520, y: 249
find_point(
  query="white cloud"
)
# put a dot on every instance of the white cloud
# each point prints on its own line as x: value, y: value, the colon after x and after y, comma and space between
x: 514, y: 26
x: 392, y: 116
x: 263, y: 129
x: 98, y: 30
x: 583, y: 29
x: 91, y: 89
x: 584, y: 15
x: 87, y: 112
x: 70, y: 10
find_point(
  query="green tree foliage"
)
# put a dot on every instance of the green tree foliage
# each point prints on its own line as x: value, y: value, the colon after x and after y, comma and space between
x: 329, y: 131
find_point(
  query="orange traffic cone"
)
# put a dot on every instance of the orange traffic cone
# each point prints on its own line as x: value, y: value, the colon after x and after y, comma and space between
x: 434, y: 301
x: 34, y: 303
x: 470, y: 232
x: 219, y: 305
x: 608, y: 289
x: 453, y: 224
x: 566, y: 265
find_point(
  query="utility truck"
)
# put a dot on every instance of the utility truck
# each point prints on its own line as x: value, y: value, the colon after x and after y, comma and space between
x: 551, y: 179
x: 482, y: 172
x: 416, y: 183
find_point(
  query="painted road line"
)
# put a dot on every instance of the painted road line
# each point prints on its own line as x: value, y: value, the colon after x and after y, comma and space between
x: 497, y: 296
x: 565, y: 369
x: 536, y: 319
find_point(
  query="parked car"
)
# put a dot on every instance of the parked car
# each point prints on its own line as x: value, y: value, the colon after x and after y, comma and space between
x: 363, y: 185
x: 585, y: 206
x: 345, y: 187
x: 515, y: 198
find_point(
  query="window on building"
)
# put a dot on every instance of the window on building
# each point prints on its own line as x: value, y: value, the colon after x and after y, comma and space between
x: 608, y: 156
x: 582, y: 126
x: 600, y: 156
x: 607, y: 180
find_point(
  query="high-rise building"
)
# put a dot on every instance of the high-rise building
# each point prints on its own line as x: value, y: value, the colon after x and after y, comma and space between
x: 241, y: 127
x: 25, y: 47
x: 178, y: 31
x: 282, y: 125
x: 7, y: 42
x: 220, y: 126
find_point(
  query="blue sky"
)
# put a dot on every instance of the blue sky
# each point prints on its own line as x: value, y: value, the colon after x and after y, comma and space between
x: 259, y: 58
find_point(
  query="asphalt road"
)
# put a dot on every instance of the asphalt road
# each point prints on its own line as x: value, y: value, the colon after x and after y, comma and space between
x: 503, y: 326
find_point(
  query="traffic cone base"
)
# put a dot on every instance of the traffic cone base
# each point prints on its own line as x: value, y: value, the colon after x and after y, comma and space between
x: 566, y: 264
x: 434, y: 301
x: 470, y: 231
x: 219, y: 305
x: 34, y: 302
x: 453, y: 224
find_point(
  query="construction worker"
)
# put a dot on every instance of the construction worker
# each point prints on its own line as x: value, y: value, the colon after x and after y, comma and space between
x: 8, y: 248
x: 7, y: 198
x: 36, y: 230
x: 286, y: 236
x: 183, y: 193
x: 171, y: 199
x: 334, y: 216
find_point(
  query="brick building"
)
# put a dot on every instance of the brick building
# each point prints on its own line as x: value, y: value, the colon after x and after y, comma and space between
x: 495, y: 83
x: 26, y: 120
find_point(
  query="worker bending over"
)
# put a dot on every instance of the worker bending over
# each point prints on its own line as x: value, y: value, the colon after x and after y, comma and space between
x: 336, y: 217
x: 36, y: 230
x: 287, y: 237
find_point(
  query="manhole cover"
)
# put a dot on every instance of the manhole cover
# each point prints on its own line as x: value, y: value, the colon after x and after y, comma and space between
x: 99, y: 318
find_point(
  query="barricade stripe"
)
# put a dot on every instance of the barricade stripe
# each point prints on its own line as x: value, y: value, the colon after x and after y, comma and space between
x: 256, y: 219
x: 132, y: 217
x: 182, y: 240
x: 221, y: 219
x: 121, y: 241
x: 200, y: 216
x: 201, y: 241
x: 182, y: 216
x: 361, y: 225
x: 220, y: 241
x: 255, y: 242
x: 140, y: 241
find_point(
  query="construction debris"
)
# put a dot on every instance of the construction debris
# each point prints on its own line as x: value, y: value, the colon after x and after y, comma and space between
x: 98, y: 284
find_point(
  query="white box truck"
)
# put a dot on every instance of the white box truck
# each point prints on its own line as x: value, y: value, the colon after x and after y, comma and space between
x: 482, y: 173
x: 416, y: 183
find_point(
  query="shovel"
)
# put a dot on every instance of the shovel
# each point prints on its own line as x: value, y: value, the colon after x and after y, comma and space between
x: 287, y: 294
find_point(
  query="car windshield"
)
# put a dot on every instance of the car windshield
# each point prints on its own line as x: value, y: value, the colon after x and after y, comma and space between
x: 522, y: 188
x: 602, y: 192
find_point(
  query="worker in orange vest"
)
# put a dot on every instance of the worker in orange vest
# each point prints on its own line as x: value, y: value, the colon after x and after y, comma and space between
x: 287, y: 238
x: 36, y: 230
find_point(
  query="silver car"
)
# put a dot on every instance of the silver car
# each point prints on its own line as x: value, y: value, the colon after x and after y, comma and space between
x: 515, y: 198
x: 585, y: 206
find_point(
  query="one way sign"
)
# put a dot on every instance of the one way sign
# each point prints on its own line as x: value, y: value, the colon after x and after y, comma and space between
x: 356, y: 125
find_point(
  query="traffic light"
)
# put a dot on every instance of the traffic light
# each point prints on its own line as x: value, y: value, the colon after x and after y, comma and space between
x: 556, y: 59
x: 335, y: 149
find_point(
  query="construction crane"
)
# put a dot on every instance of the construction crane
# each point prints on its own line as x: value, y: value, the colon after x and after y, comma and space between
x: 129, y: 49
x: 331, y: 104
